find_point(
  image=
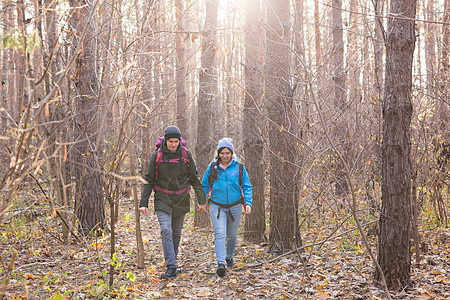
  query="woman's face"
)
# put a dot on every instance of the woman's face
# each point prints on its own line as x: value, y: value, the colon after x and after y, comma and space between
x: 225, y: 156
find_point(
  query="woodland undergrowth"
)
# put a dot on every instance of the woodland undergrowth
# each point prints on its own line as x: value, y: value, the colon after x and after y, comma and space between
x: 340, y: 268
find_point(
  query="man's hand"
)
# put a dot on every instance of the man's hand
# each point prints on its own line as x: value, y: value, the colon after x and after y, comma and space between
x: 248, y: 209
x: 143, y: 210
x: 201, y: 207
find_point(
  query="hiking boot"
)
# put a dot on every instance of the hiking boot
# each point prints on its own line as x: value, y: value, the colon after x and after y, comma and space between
x: 230, y: 262
x: 221, y: 270
x: 171, y: 272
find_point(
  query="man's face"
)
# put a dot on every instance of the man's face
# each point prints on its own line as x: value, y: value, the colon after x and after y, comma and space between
x: 172, y: 144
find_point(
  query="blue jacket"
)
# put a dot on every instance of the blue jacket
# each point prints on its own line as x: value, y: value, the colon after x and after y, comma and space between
x: 226, y: 189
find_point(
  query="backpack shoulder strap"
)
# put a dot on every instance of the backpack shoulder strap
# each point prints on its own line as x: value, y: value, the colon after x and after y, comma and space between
x: 159, y: 155
x: 210, y: 178
x: 241, y: 171
x: 185, y: 158
x: 184, y: 155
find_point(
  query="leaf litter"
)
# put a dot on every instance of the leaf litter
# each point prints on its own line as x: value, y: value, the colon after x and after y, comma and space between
x: 339, y: 269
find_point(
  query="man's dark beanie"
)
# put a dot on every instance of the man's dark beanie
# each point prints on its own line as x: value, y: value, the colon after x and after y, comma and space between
x: 172, y: 132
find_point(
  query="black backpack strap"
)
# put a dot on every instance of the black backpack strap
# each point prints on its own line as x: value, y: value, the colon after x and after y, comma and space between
x: 159, y: 156
x: 210, y: 178
x: 241, y: 171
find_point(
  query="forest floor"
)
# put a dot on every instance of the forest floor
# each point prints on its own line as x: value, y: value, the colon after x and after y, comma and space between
x: 340, y: 268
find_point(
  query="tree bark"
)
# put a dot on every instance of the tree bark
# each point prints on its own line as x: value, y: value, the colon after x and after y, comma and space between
x: 430, y: 44
x: 394, y: 254
x: 284, y: 228
x: 4, y: 84
x: 443, y: 106
x: 378, y: 71
x: 37, y: 52
x: 354, y: 83
x: 21, y: 82
x: 89, y: 206
x: 317, y: 33
x: 301, y: 95
x: 415, y: 219
x: 150, y: 86
x: 12, y: 75
x: 182, y: 120
x: 206, y: 97
x: 340, y: 98
x: 56, y: 165
x: 255, y: 225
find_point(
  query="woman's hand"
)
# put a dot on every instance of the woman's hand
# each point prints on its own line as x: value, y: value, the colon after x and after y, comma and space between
x: 248, y: 209
x: 143, y: 210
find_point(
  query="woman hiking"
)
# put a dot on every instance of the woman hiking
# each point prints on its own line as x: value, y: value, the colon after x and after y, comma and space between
x: 226, y: 182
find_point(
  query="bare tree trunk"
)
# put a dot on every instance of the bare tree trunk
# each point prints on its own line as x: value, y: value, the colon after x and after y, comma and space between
x: 157, y: 82
x: 12, y: 77
x: 255, y: 224
x: 430, y: 44
x: 354, y: 82
x: 182, y: 120
x: 378, y: 71
x: 394, y: 254
x: 56, y: 165
x: 230, y: 102
x: 443, y: 105
x: 284, y: 228
x: 89, y: 206
x: 439, y: 205
x: 301, y: 96
x: 131, y: 150
x: 20, y: 151
x: 107, y: 69
x: 4, y: 92
x: 37, y: 52
x: 415, y: 219
x: 51, y: 46
x: 340, y: 98
x: 4, y: 76
x: 21, y: 60
x: 318, y: 35
x: 139, y: 241
x: 150, y: 78
x: 207, y: 92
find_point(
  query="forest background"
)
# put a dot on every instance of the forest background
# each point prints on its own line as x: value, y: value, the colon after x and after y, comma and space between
x: 338, y: 109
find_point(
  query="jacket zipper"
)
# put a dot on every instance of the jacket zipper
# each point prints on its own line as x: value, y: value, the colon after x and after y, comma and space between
x: 226, y: 186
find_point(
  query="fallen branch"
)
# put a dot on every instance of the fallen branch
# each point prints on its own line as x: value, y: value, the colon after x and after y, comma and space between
x: 8, y: 275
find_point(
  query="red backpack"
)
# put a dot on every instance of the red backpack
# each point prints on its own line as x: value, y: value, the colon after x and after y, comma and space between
x: 159, y: 160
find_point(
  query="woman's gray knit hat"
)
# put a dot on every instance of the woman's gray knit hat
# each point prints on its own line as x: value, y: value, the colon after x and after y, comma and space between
x: 225, y: 143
